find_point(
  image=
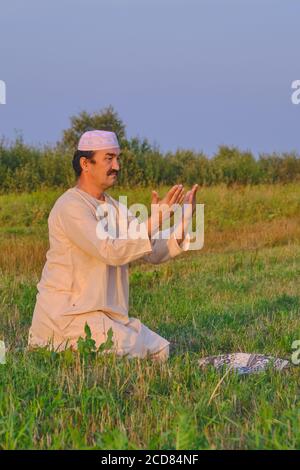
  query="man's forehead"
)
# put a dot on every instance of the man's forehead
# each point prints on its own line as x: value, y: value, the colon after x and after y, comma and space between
x: 113, y: 153
x: 110, y: 152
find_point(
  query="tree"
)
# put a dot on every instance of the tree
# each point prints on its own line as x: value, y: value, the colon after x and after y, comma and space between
x: 236, y: 167
x: 106, y: 120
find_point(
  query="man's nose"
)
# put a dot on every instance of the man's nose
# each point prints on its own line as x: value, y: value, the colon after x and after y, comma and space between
x: 116, y: 165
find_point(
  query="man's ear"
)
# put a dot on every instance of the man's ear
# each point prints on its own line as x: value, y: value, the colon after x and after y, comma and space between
x: 83, y: 163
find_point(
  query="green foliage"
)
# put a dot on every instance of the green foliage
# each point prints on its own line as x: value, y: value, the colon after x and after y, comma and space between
x: 185, y: 432
x: 108, y: 344
x: 107, y: 120
x: 234, y: 166
x: 204, y: 304
x: 25, y: 168
x: 208, y: 304
x: 87, y: 346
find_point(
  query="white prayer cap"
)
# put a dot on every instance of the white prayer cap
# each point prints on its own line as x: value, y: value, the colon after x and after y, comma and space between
x: 97, y: 140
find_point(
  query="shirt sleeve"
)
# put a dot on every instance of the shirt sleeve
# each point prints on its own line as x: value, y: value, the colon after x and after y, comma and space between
x: 79, y: 225
x: 166, y: 247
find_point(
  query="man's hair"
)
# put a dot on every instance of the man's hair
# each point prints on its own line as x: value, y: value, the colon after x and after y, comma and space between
x: 76, y: 159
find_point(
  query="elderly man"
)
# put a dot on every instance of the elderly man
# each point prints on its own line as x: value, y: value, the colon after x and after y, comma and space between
x: 85, y: 278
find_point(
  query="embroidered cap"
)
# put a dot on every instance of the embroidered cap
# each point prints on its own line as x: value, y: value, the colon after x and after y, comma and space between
x: 98, y: 140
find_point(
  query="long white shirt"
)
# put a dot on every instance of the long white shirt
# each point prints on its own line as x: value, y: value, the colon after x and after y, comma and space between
x: 84, y: 273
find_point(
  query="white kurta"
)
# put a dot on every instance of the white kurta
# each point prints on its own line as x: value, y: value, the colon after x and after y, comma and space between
x: 85, y: 279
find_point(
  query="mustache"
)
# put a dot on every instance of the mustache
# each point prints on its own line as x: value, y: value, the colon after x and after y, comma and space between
x: 112, y: 172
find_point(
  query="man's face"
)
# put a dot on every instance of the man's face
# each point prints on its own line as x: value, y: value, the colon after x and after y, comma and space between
x: 103, y: 168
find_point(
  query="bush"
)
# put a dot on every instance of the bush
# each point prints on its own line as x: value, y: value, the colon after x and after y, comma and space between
x: 25, y: 168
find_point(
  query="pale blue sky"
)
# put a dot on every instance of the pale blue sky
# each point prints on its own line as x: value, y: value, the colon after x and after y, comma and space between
x: 183, y: 73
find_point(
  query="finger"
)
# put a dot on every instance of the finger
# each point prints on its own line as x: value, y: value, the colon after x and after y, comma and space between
x: 190, y: 195
x: 181, y: 199
x: 194, y: 190
x: 154, y: 198
x: 186, y: 197
x: 171, y: 192
x: 178, y: 193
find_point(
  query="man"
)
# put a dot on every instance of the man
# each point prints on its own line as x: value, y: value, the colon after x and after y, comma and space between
x: 85, y: 278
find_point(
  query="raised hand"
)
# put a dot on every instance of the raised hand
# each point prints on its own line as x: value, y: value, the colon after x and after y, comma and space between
x: 189, y: 207
x: 163, y: 209
x: 175, y: 195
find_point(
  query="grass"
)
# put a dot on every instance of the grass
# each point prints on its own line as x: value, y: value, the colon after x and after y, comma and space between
x: 240, y: 293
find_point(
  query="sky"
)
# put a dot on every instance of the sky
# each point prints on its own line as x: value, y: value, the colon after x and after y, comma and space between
x: 191, y: 74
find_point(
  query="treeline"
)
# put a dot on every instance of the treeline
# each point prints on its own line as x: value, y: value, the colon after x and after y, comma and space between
x: 25, y: 168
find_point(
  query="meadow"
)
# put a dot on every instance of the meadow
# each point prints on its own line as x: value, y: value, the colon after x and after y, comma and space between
x: 239, y: 293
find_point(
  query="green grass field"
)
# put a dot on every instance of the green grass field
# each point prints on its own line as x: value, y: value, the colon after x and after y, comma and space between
x: 240, y: 293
